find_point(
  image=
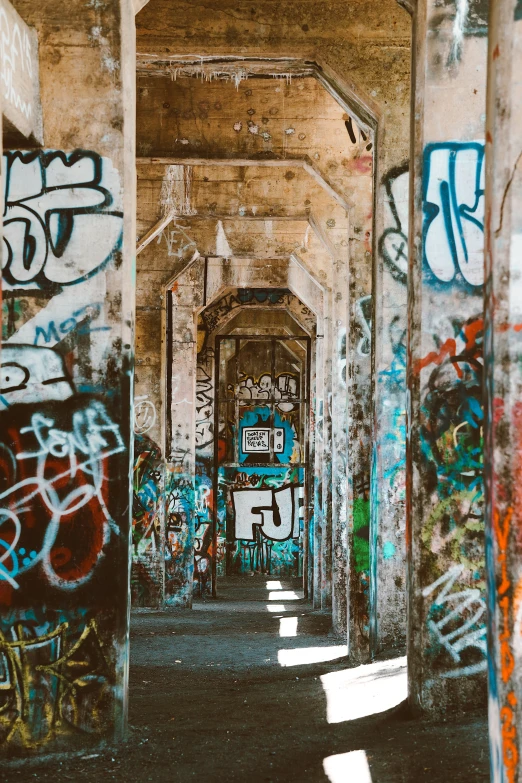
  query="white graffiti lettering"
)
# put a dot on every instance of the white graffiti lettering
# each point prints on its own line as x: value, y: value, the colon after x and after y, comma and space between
x: 276, y: 511
x: 460, y: 628
x: 60, y: 225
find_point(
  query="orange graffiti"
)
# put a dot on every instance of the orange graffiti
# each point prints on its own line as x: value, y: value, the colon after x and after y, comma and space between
x: 507, y: 659
x: 449, y: 348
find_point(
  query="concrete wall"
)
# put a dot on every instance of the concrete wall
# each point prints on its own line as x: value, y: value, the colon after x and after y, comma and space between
x: 66, y: 394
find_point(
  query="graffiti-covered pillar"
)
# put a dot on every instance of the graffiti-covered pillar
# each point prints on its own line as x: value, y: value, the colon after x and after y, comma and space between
x: 502, y: 359
x: 66, y: 387
x: 388, y: 486
x: 184, y: 298
x: 446, y: 579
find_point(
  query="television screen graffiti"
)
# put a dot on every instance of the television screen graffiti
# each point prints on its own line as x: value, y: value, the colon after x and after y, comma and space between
x: 256, y: 439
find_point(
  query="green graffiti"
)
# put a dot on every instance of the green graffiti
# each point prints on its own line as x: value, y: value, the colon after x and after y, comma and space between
x: 361, y: 531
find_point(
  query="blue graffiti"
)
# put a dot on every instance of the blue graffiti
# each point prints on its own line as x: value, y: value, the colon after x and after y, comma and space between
x: 453, y: 201
x: 82, y: 318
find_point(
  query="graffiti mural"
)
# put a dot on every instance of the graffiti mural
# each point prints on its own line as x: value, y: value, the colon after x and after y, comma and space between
x: 264, y: 520
x: 450, y: 428
x: 276, y: 511
x: 148, y: 534
x: 52, y: 673
x: 452, y: 442
x: 64, y: 454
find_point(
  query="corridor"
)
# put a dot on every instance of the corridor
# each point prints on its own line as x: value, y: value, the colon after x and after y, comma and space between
x: 223, y: 694
x: 261, y: 391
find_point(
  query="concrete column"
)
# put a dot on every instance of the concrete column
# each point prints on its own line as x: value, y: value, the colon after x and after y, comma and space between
x: 446, y: 579
x: 186, y: 297
x: 358, y: 380
x: 326, y: 467
x: 340, y: 447
x: 502, y: 358
x: 388, y: 481
x: 318, y: 525
x: 66, y: 397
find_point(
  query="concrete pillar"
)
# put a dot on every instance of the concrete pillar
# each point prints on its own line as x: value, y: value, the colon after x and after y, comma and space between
x: 502, y: 359
x: 388, y: 479
x: 446, y: 580
x: 66, y: 397
x: 359, y: 407
x: 186, y: 296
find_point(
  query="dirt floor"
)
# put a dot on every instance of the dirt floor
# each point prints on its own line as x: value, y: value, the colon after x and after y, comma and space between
x: 211, y: 701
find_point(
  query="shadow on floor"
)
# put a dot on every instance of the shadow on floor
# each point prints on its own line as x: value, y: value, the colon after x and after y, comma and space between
x: 227, y: 692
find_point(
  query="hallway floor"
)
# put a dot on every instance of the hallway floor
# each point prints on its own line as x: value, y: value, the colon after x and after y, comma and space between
x: 229, y: 693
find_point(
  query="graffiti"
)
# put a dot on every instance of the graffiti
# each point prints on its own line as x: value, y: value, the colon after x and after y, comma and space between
x: 204, y: 400
x: 144, y: 415
x: 454, y: 212
x: 31, y: 374
x: 502, y: 528
x: 452, y: 445
x: 147, y: 524
x: 458, y: 627
x: 363, y: 312
x: 50, y: 677
x: 179, y: 535
x: 342, y: 358
x: 393, y: 244
x: 276, y: 511
x: 252, y: 433
x: 54, y: 471
x: 361, y: 534
x: 221, y: 310
x: 146, y: 485
x: 178, y: 242
x: 79, y: 320
x: 56, y: 206
x: 285, y: 389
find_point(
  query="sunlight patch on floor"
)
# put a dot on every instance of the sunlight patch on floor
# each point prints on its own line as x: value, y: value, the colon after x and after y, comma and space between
x: 276, y: 607
x: 304, y: 655
x: 288, y: 626
x: 365, y: 690
x: 284, y: 595
x: 349, y: 767
x: 274, y: 586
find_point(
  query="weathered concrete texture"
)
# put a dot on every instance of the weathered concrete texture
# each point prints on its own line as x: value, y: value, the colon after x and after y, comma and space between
x: 66, y: 398
x: 262, y: 721
x: 447, y: 644
x: 502, y: 354
x: 370, y: 55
